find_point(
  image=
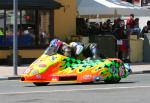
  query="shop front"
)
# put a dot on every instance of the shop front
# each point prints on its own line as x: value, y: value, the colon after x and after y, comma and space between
x: 35, y: 27
x: 35, y: 22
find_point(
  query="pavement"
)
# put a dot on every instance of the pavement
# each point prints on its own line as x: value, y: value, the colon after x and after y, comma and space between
x: 7, y: 72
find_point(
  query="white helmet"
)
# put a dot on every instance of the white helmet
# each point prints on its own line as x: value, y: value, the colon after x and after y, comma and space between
x: 73, y: 44
x: 77, y: 46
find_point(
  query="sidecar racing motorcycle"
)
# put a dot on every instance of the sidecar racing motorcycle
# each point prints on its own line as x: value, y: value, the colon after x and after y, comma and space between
x: 52, y: 66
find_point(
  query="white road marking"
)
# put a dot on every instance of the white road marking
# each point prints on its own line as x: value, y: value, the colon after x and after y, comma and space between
x: 72, y: 90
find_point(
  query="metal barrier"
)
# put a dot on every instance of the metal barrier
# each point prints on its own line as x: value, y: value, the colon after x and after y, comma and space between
x: 146, y: 47
x: 106, y: 44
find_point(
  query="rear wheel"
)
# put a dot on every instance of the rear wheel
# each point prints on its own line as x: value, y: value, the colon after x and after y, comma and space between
x: 112, y: 80
x: 41, y: 83
x: 116, y: 80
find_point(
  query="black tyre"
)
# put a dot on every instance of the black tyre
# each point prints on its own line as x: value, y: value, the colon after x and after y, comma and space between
x: 108, y: 81
x: 41, y: 84
x: 116, y: 80
x: 88, y: 82
x: 112, y: 80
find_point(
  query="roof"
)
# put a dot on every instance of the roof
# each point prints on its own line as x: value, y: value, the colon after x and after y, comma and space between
x: 30, y: 4
x: 109, y: 8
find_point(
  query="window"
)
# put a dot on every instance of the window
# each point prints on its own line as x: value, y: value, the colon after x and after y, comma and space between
x: 33, y: 28
x: 1, y: 18
x: 27, y: 28
x: 1, y: 27
x: 44, y: 23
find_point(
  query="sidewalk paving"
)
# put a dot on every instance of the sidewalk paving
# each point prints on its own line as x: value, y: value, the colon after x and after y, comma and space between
x: 7, y: 72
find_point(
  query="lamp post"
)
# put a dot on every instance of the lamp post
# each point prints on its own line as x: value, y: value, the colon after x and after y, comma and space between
x: 15, y: 29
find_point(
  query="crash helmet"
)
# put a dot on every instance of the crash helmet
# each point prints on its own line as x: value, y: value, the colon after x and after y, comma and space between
x: 56, y: 42
x: 73, y: 44
x: 77, y: 47
x: 53, y: 42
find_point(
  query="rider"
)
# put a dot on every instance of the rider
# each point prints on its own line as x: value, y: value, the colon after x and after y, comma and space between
x: 88, y: 50
x: 61, y: 47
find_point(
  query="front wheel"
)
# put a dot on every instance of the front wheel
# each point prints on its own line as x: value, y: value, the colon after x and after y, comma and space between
x: 41, y: 84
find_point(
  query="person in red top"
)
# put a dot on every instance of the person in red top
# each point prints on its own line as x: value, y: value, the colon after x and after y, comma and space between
x: 130, y: 24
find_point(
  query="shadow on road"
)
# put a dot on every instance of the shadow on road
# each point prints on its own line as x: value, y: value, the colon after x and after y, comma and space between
x: 90, y: 83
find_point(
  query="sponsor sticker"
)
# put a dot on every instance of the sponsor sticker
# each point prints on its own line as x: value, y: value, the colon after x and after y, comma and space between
x: 54, y: 79
x: 42, y: 65
x: 53, y: 58
x: 87, y: 76
x: 38, y: 76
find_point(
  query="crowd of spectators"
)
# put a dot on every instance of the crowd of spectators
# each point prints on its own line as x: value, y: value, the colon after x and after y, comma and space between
x: 120, y: 29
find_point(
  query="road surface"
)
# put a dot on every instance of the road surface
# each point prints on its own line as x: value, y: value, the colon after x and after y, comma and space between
x: 134, y: 89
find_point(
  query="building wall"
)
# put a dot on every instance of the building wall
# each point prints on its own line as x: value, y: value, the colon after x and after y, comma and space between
x: 44, y: 21
x: 65, y: 19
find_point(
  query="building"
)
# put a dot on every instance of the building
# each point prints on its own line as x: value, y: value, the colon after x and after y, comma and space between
x: 145, y: 3
x: 39, y: 21
x: 65, y: 19
x: 54, y: 18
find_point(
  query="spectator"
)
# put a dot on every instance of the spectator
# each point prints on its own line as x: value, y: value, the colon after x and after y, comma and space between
x: 43, y: 38
x: 146, y: 29
x: 136, y: 23
x: 130, y: 24
x: 100, y: 27
x: 119, y: 29
x: 97, y: 29
x: 136, y: 30
x: 122, y: 39
x: 109, y: 25
x: 94, y: 29
x: 104, y: 28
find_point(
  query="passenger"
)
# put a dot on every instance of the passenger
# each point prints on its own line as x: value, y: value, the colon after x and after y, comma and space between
x: 88, y: 50
x: 76, y: 48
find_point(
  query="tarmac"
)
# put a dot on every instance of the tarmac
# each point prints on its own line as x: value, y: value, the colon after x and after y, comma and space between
x: 7, y: 72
